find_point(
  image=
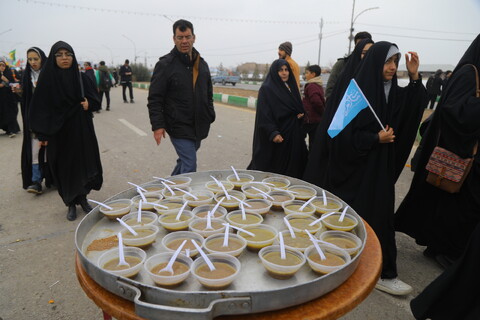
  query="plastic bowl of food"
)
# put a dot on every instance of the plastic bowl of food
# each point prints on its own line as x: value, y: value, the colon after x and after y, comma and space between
x: 181, y: 269
x: 198, y: 198
x: 243, y: 178
x: 332, y: 205
x: 179, y: 181
x: 264, y: 235
x: 215, y: 188
x: 146, y: 235
x: 342, y: 239
x: 135, y: 257
x: 233, y: 202
x: 301, y: 222
x: 277, y: 182
x: 294, y: 206
x: 235, y: 218
x: 172, y: 206
x: 119, y: 207
x: 255, y: 190
x: 175, y: 193
x: 227, y: 268
x: 151, y: 200
x: 281, y: 268
x: 260, y: 206
x: 300, y: 242
x: 302, y: 192
x: 173, y: 240
x: 152, y: 189
x: 336, y: 258
x: 235, y: 246
x: 201, y: 212
x: 333, y: 222
x: 146, y: 218
x: 170, y: 223
x: 200, y: 226
x: 279, y: 197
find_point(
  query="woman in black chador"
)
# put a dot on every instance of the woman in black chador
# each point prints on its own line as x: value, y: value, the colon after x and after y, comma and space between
x: 34, y: 168
x: 8, y: 102
x: 437, y: 219
x: 278, y: 140
x: 61, y: 117
x: 362, y: 163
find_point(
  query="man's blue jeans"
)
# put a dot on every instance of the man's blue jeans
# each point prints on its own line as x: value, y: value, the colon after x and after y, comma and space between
x: 187, y: 155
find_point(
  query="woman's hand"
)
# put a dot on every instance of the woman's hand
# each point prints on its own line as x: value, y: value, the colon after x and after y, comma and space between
x: 386, y: 136
x: 84, y: 104
x: 278, y: 139
x: 300, y: 115
x: 412, y: 64
x: 43, y: 143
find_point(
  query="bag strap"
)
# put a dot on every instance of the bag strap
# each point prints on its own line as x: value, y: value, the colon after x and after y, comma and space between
x: 477, y: 91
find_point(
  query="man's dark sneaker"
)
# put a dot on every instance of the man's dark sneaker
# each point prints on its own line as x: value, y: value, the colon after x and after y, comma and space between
x: 108, y: 108
x: 131, y: 101
x: 72, y: 212
x: 36, y: 188
x: 125, y: 101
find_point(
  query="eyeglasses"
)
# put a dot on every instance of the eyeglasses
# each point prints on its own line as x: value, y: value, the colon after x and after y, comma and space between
x: 66, y: 54
x: 180, y: 38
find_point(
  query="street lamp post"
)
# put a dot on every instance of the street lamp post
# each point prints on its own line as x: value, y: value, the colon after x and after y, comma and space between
x: 352, y: 21
x: 320, y: 40
x: 111, y: 54
x: 134, y: 48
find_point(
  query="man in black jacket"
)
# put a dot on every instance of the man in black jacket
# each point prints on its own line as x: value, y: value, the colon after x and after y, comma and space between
x: 180, y: 99
x: 126, y: 81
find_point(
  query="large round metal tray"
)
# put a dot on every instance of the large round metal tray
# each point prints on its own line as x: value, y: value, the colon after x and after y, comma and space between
x: 253, y: 291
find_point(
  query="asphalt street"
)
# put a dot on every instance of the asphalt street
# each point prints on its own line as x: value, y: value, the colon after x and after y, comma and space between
x: 37, y: 275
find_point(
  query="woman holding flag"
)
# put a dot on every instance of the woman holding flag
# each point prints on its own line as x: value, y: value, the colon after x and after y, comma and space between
x: 61, y: 118
x: 369, y: 139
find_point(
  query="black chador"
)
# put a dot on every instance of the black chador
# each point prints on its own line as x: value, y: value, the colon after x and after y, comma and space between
x: 278, y: 107
x: 58, y: 117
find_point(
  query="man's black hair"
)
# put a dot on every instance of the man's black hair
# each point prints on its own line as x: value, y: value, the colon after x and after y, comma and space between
x: 315, y: 68
x: 182, y: 25
x: 362, y: 35
x: 102, y: 63
x: 127, y: 61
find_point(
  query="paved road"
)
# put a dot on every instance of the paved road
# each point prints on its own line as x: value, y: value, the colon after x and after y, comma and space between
x: 37, y: 277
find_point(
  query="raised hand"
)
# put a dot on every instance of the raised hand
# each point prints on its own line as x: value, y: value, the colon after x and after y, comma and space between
x: 412, y: 63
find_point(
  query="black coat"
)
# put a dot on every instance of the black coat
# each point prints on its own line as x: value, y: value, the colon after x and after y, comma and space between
x: 277, y: 110
x: 435, y: 218
x: 58, y: 117
x: 185, y: 110
x: 124, y: 78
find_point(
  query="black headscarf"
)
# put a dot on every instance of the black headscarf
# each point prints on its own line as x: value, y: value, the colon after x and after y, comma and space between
x: 277, y: 110
x: 27, y: 86
x: 345, y: 76
x: 58, y: 94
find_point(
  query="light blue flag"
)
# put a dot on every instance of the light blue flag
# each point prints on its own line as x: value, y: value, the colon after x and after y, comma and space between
x: 352, y: 103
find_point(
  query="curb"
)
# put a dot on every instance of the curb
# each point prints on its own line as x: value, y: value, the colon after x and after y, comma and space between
x: 245, y: 102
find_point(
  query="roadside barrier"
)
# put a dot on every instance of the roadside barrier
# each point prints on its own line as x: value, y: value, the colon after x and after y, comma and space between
x: 247, y: 102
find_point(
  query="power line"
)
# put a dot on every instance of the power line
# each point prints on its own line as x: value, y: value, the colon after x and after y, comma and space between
x: 423, y: 38
x: 416, y: 29
x: 168, y: 16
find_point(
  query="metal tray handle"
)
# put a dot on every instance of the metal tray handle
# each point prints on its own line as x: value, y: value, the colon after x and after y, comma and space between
x: 233, y: 305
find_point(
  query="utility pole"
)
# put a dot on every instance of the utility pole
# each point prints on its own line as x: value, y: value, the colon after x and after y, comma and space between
x: 320, y: 40
x: 350, y: 37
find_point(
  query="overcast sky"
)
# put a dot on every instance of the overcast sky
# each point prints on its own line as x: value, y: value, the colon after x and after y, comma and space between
x: 233, y: 32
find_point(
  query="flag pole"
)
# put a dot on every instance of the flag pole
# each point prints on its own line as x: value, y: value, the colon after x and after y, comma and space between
x: 370, y: 106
